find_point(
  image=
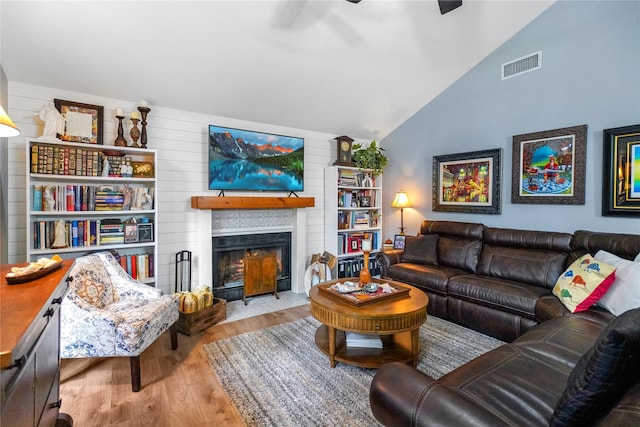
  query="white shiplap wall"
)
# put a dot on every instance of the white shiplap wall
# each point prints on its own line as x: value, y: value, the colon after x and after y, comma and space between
x: 181, y: 140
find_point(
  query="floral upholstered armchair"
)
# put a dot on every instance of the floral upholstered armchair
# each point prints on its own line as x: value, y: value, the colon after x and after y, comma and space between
x: 106, y: 313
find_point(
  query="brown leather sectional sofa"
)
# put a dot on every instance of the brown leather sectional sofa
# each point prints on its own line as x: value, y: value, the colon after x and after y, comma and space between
x: 557, y: 368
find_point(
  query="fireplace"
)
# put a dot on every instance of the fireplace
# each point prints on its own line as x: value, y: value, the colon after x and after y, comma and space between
x: 228, y: 253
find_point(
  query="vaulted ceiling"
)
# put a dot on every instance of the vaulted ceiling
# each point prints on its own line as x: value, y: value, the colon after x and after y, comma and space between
x: 331, y: 66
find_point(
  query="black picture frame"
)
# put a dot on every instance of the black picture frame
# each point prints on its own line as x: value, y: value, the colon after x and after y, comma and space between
x: 621, y: 155
x: 81, y: 116
x: 365, y: 201
x: 399, y: 241
x: 472, y: 169
x: 145, y: 232
x: 533, y: 181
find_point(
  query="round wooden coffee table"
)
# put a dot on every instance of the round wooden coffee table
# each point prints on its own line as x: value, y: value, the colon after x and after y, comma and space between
x: 396, y: 321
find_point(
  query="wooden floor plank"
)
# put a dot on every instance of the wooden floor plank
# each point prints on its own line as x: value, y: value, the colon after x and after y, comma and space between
x: 179, y: 388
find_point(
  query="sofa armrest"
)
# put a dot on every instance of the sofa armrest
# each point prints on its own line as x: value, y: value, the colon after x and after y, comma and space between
x: 548, y: 307
x: 387, y: 258
x: 400, y: 395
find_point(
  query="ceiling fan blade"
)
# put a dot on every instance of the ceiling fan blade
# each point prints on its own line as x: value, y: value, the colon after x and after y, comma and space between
x: 447, y: 6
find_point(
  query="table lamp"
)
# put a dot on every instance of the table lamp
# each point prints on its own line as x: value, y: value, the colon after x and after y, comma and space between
x: 401, y: 201
x: 7, y: 127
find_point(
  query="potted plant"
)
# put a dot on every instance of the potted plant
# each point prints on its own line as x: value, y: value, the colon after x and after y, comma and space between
x: 371, y: 157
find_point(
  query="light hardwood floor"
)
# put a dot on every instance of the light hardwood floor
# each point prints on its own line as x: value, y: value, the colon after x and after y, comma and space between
x: 179, y: 388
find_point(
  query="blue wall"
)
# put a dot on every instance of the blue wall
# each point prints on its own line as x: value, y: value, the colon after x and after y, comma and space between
x: 590, y: 75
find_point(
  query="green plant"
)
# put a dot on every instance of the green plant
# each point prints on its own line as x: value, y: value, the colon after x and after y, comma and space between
x: 370, y: 157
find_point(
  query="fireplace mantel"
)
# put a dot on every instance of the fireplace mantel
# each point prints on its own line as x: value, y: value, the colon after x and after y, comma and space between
x: 223, y: 202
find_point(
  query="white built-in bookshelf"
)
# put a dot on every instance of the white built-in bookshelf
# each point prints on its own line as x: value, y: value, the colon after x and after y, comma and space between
x: 75, y: 207
x: 353, y: 212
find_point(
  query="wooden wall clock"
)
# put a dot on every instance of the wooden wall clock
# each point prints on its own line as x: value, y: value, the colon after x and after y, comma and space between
x: 344, y: 151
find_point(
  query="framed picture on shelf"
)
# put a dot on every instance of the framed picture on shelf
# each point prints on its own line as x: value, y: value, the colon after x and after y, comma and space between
x: 145, y: 232
x: 131, y: 233
x: 365, y: 201
x: 84, y: 122
x: 467, y: 182
x: 398, y: 241
x: 548, y: 167
x: 142, y: 169
x: 621, y: 172
x: 354, y: 244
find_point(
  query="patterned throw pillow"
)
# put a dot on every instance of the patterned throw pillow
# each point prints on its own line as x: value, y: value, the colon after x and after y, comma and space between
x: 583, y: 283
x: 92, y: 288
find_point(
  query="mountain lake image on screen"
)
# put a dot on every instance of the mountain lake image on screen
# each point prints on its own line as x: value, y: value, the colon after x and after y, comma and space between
x: 254, y: 161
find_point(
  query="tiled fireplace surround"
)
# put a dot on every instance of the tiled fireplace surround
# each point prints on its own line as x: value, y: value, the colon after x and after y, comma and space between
x: 215, y: 223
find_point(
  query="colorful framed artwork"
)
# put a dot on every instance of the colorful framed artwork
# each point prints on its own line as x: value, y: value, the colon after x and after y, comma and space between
x: 621, y: 171
x: 467, y: 182
x: 83, y: 122
x: 549, y: 167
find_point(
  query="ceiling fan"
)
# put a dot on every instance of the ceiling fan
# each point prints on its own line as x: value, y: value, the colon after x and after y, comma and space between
x: 446, y: 6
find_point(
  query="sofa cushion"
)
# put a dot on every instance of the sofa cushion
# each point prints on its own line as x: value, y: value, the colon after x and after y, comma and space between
x: 504, y: 295
x: 624, y: 293
x: 459, y: 253
x: 421, y: 249
x: 432, y: 278
x: 603, y: 374
x: 584, y: 283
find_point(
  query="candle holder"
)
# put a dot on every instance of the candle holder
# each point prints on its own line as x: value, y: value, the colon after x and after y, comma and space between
x: 135, y: 133
x: 143, y: 135
x: 120, y: 141
x: 365, y: 275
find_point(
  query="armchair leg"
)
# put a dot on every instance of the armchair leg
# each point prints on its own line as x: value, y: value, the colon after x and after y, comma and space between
x: 135, y: 373
x: 173, y: 331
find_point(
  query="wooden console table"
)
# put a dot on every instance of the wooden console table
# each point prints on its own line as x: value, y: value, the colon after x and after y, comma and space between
x: 30, y: 349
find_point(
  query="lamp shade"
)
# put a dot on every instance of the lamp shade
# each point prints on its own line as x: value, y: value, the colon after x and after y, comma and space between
x: 401, y: 200
x: 7, y: 127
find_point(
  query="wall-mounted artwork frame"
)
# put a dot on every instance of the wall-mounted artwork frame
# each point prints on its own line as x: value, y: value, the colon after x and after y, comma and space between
x: 621, y: 171
x: 84, y: 122
x: 548, y: 167
x: 467, y: 182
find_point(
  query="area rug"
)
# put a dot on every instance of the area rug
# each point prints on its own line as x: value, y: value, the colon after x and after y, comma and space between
x: 278, y: 377
x: 236, y: 310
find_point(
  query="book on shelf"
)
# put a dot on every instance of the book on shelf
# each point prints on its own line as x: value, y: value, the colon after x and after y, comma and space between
x: 58, y: 160
x: 90, y: 198
x: 363, y: 340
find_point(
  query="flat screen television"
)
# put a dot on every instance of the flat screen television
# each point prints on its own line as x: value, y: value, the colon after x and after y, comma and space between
x: 245, y: 160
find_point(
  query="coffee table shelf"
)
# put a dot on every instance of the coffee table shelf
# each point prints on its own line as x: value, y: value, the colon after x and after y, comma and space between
x: 364, y: 357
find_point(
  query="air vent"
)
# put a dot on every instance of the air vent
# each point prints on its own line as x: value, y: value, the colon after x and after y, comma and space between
x: 522, y: 65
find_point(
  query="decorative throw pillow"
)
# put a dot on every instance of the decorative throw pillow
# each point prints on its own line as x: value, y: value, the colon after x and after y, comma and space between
x: 583, y: 283
x: 624, y: 294
x: 603, y: 374
x: 421, y: 249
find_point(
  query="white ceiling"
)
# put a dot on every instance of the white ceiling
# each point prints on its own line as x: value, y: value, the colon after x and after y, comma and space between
x: 331, y: 66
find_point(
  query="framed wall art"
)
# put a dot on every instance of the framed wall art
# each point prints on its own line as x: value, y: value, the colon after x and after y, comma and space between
x: 467, y: 182
x: 549, y: 167
x: 84, y: 122
x: 621, y: 172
